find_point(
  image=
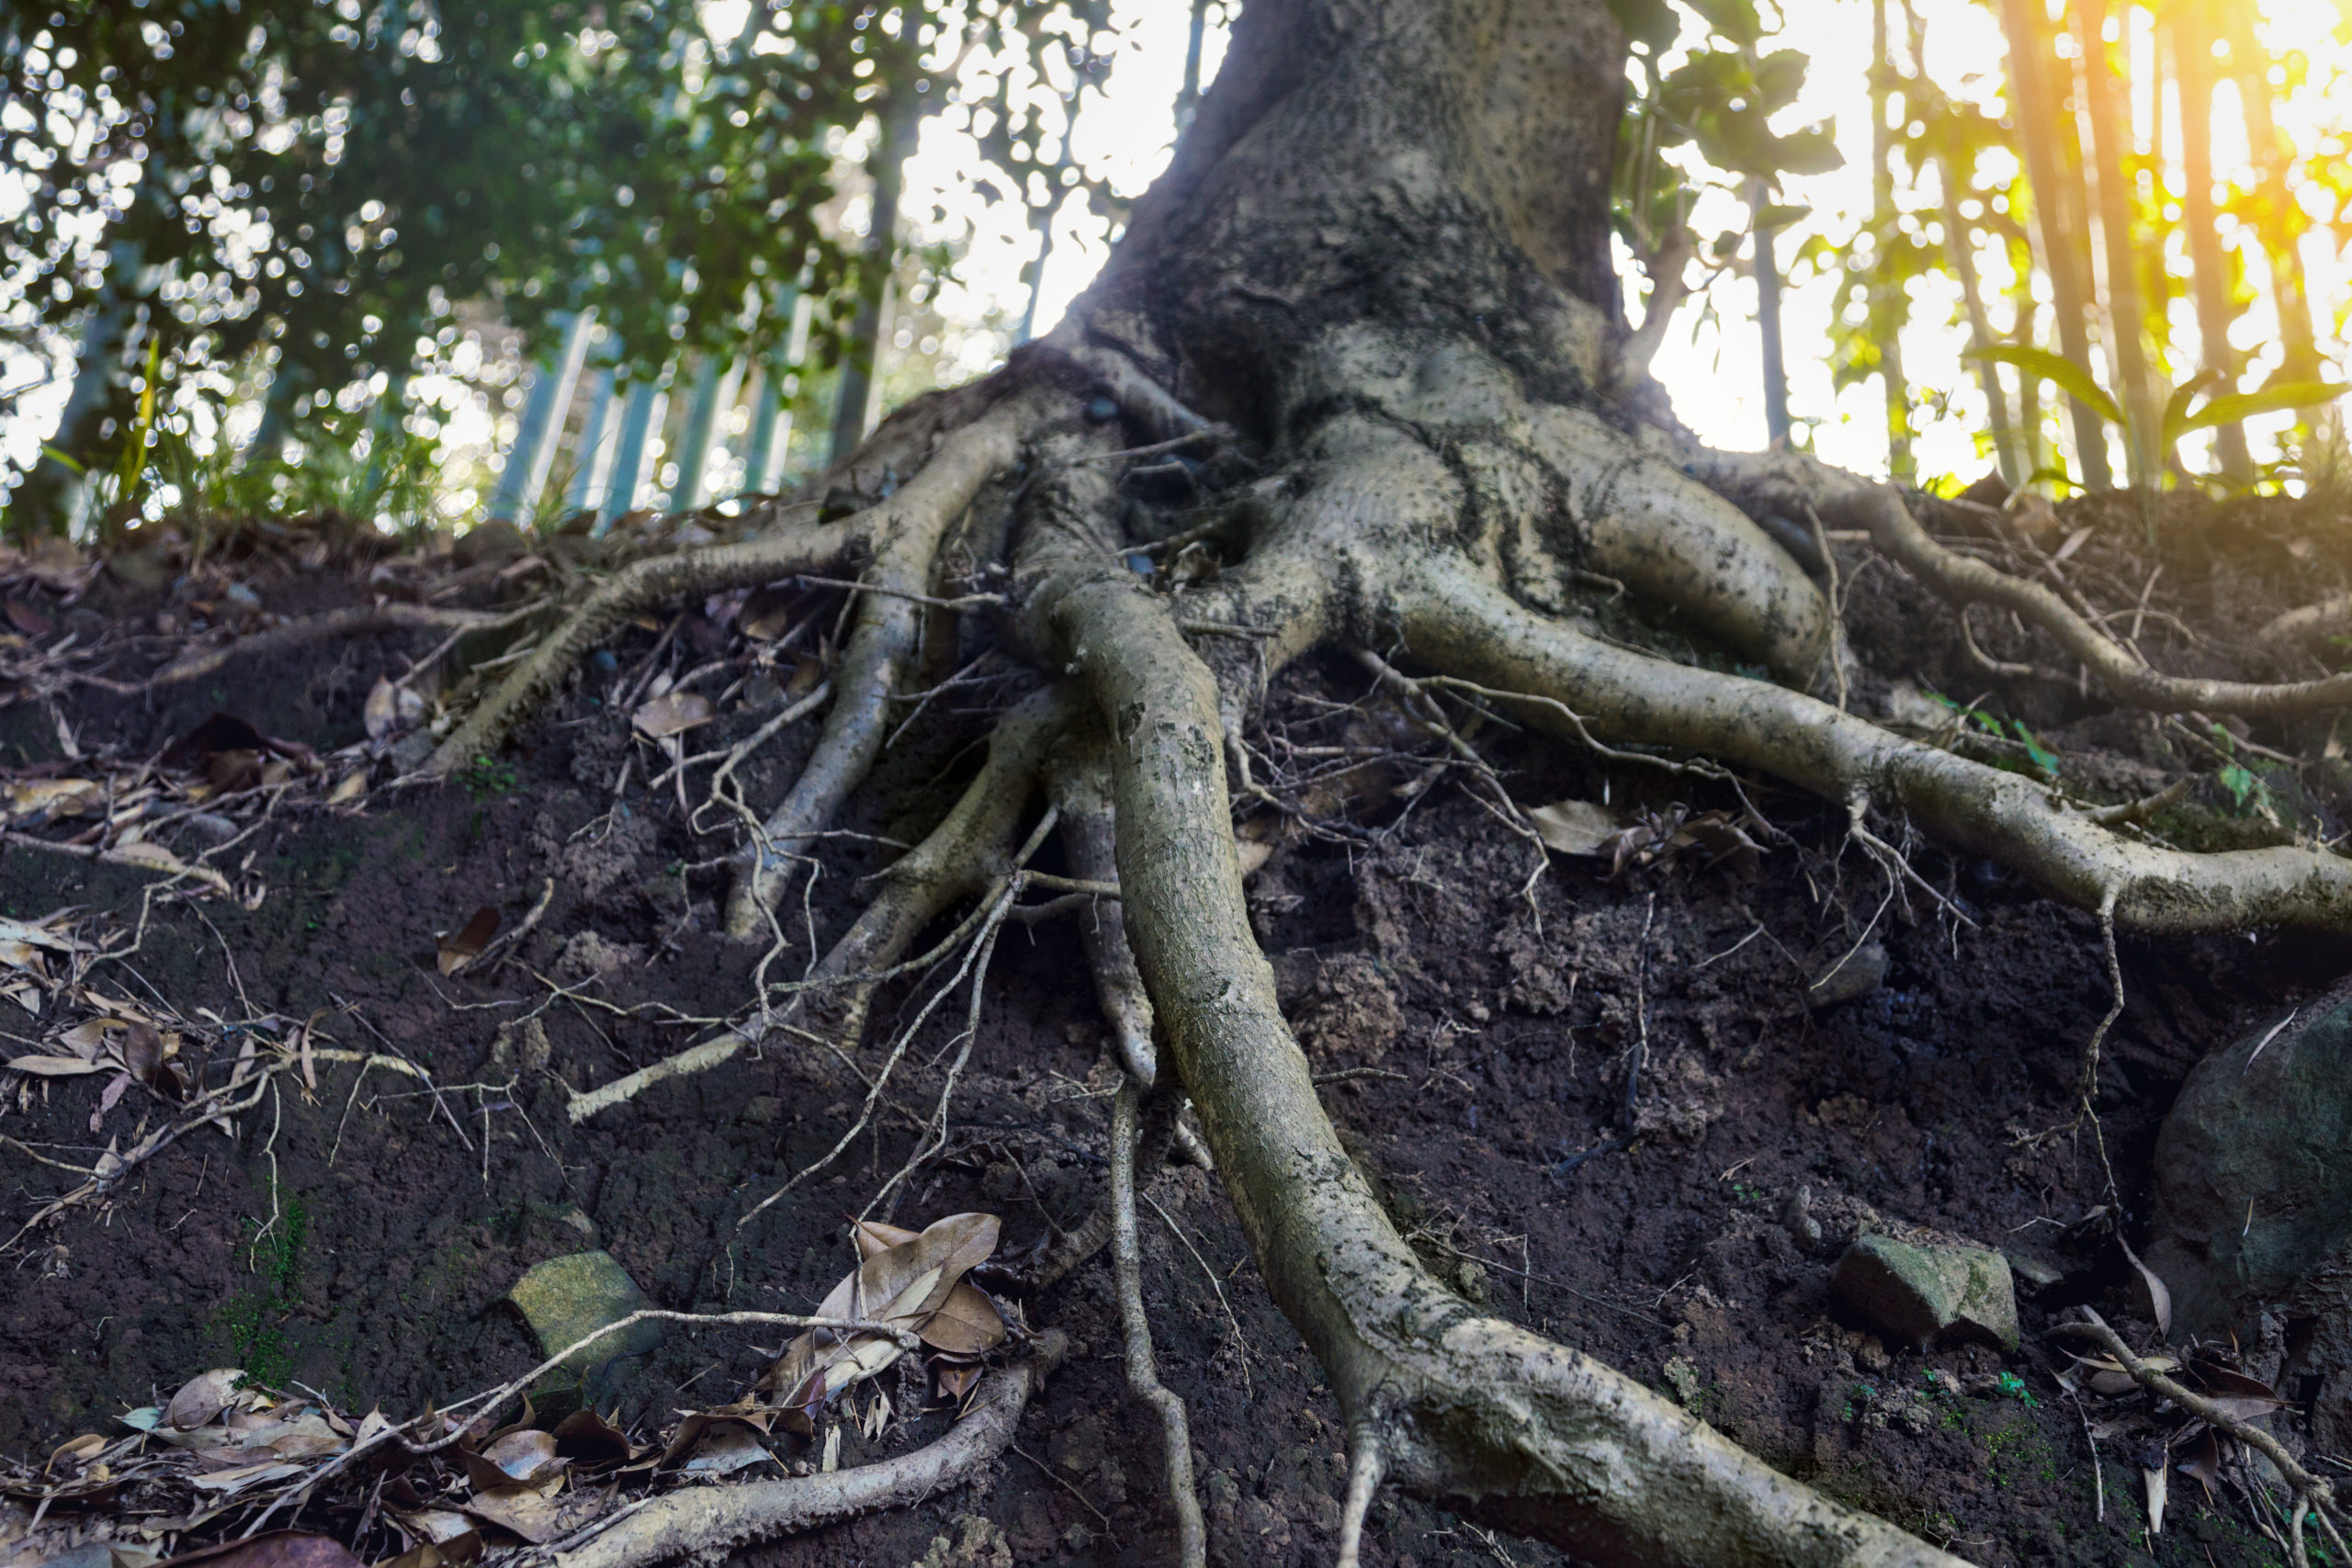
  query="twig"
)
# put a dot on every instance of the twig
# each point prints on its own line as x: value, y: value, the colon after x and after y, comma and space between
x: 1143, y: 1373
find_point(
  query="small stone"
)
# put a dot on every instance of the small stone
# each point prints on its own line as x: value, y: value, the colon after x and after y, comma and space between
x: 1935, y: 1292
x: 1796, y: 1218
x: 1858, y: 974
x: 566, y: 1299
x: 1101, y: 410
x: 761, y: 1109
x: 1870, y: 1354
x: 496, y: 540
x: 1473, y: 1280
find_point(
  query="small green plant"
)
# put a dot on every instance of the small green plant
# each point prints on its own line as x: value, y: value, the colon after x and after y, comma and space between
x: 1991, y: 725
x: 489, y: 777
x: 2179, y: 419
x: 2249, y: 791
x: 2011, y: 1386
x: 254, y: 1318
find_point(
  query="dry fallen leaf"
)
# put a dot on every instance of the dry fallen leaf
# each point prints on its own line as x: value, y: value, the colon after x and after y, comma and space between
x: 2159, y: 1298
x: 231, y: 1480
x: 155, y: 855
x: 53, y: 797
x: 465, y: 945
x: 390, y: 709
x: 202, y: 1397
x: 672, y: 713
x: 806, y: 671
x: 78, y: 1451
x: 56, y: 1066
x: 967, y: 1324
x: 1576, y: 827
x: 908, y: 1281
x: 526, y: 1456
x: 348, y: 788
x: 2155, y: 1480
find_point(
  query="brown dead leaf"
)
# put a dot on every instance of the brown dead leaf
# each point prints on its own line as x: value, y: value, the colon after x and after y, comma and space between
x: 806, y: 671
x: 465, y: 945
x: 53, y: 797
x: 2159, y: 1298
x: 766, y: 613
x: 390, y: 709
x: 154, y: 855
x: 229, y: 1482
x: 56, y: 1066
x: 530, y: 1511
x: 874, y: 1237
x: 348, y: 788
x: 29, y: 619
x: 525, y: 1457
x: 588, y: 1441
x: 2203, y: 1460
x: 906, y: 1283
x: 725, y: 1447
x: 967, y: 1324
x: 671, y: 714
x: 1577, y: 827
x: 203, y: 1397
x: 78, y: 1450
x: 958, y: 1378
x: 2242, y: 1397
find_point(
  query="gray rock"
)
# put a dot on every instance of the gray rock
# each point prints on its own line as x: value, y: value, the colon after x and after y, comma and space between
x: 1927, y: 1293
x: 566, y: 1299
x: 2254, y: 1168
x: 1858, y: 974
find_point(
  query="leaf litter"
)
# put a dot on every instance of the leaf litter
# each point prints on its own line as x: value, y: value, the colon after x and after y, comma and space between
x: 224, y: 1454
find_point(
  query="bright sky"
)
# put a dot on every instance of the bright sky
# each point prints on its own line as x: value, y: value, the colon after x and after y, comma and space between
x: 1710, y: 362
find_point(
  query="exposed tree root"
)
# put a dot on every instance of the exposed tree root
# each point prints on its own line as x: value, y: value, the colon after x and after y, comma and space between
x: 1143, y: 1372
x: 1080, y: 778
x: 361, y: 620
x: 919, y: 510
x: 1462, y: 1406
x: 706, y: 1522
x: 1793, y: 482
x: 1462, y: 625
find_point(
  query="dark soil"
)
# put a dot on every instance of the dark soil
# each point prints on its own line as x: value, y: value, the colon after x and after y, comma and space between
x: 1483, y: 1040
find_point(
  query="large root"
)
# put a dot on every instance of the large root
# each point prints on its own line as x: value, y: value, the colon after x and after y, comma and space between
x: 1459, y: 624
x: 919, y: 511
x: 1453, y: 1402
x: 1792, y: 483
x: 706, y: 1522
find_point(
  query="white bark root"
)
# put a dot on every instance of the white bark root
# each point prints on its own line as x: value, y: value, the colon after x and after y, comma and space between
x: 715, y: 1519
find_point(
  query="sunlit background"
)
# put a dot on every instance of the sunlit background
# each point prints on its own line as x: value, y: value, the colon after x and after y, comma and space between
x: 467, y: 393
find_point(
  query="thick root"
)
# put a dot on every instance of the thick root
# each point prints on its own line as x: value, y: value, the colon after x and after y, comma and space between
x: 1462, y: 1406
x: 967, y: 854
x: 1792, y: 482
x: 921, y: 511
x: 1080, y: 780
x: 887, y: 638
x: 338, y: 625
x: 1544, y: 490
x: 1457, y: 622
x: 707, y: 1522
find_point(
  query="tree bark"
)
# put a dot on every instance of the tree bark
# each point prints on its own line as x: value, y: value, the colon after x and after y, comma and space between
x: 1888, y: 306
x: 2057, y: 216
x: 2126, y: 306
x: 2191, y: 36
x: 2279, y: 222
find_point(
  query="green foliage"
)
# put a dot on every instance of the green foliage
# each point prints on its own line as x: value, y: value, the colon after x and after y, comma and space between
x: 254, y: 1319
x: 2179, y: 419
x: 489, y: 777
x: 317, y: 186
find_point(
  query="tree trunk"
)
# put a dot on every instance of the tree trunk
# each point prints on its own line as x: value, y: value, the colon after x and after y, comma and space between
x: 2057, y: 219
x: 901, y: 121
x: 2279, y: 222
x: 2126, y: 306
x: 1887, y: 305
x: 1768, y: 322
x: 2191, y: 36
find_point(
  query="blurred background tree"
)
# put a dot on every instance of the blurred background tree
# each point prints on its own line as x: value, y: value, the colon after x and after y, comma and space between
x: 531, y: 259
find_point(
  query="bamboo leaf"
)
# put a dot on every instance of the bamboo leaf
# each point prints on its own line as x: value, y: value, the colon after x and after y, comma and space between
x: 2175, y: 420
x: 2233, y: 406
x: 2072, y: 379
